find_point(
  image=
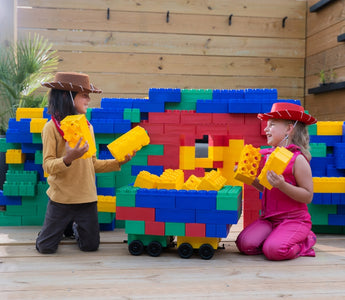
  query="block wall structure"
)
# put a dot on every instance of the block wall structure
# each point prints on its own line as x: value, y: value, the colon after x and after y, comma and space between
x: 179, y: 123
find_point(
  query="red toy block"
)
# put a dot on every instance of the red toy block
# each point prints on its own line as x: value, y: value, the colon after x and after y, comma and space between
x: 198, y: 172
x: 164, y: 139
x: 152, y: 128
x: 155, y: 160
x: 168, y: 117
x: 195, y: 229
x: 217, y: 164
x: 187, y: 139
x: 234, y: 119
x: 155, y: 228
x: 212, y: 129
x: 179, y: 129
x: 191, y: 117
x: 218, y: 141
x: 135, y: 213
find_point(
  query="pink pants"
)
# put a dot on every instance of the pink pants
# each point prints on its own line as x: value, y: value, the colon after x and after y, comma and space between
x: 278, y: 239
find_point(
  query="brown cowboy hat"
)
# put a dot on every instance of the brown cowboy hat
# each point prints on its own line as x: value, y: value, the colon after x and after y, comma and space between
x: 288, y: 111
x: 71, y: 81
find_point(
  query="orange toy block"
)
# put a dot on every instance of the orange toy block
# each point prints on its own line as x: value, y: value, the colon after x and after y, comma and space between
x: 248, y: 165
x: 76, y: 127
x: 132, y: 140
x: 277, y: 162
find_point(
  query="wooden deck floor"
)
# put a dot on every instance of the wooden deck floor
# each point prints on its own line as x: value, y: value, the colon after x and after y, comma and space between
x: 112, y: 273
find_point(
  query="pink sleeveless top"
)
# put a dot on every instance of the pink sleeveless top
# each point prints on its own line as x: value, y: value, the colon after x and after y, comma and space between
x: 275, y: 202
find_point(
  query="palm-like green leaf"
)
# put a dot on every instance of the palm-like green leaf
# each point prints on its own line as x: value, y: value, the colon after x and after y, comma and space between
x: 23, y: 66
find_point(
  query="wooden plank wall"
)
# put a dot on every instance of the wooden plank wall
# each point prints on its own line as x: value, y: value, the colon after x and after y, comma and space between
x: 136, y: 48
x: 324, y: 52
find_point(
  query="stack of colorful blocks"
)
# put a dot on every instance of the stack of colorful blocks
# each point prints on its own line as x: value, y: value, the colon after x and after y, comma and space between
x: 175, y: 120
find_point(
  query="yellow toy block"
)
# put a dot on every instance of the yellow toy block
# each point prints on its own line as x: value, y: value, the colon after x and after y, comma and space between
x: 203, y: 162
x: 232, y: 155
x: 106, y: 204
x: 76, y: 127
x: 36, y: 125
x: 329, y: 127
x: 248, y: 164
x: 146, y: 180
x: 216, y: 153
x: 132, y: 140
x: 212, y: 181
x: 15, y: 156
x: 191, y: 183
x: 171, y: 179
x: 197, y: 242
x: 329, y: 184
x: 29, y: 113
x: 277, y: 162
x: 187, y: 158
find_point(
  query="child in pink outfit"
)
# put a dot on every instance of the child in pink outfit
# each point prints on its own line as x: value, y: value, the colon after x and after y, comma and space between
x: 283, y: 230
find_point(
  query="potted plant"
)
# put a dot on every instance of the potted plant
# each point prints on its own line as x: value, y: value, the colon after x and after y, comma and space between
x: 23, y: 66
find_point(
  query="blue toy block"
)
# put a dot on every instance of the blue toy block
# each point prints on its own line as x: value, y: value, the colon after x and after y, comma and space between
x: 45, y: 114
x: 104, y: 191
x: 107, y: 226
x: 217, y: 216
x: 31, y: 148
x: 103, y: 113
x: 336, y: 219
x: 105, y: 154
x: 102, y: 125
x: 29, y: 165
x: 122, y: 126
x: 212, y: 106
x: 196, y: 199
x: 246, y: 106
x: 175, y: 215
x: 146, y: 105
x: 341, y: 209
x: 330, y: 140
x: 157, y: 170
x: 116, y: 103
x: 161, y: 198
x: 319, y: 166
x: 217, y: 230
x: 332, y: 171
x: 165, y: 95
x: 322, y: 198
x: 9, y: 200
x: 228, y: 94
x: 15, y: 136
x: 338, y: 198
x: 339, y: 153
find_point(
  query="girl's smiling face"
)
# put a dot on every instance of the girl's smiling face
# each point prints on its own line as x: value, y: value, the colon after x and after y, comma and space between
x: 276, y: 130
x: 81, y: 102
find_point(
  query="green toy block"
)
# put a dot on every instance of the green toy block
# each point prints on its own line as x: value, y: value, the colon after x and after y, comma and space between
x: 106, y: 138
x: 20, y: 176
x: 26, y: 209
x: 119, y: 223
x: 125, y: 196
x: 33, y: 220
x: 312, y: 129
x: 6, y: 146
x: 38, y: 157
x: 328, y: 229
x: 105, y: 217
x: 318, y: 149
x: 36, y: 138
x: 135, y: 227
x: 319, y: 213
x: 151, y: 149
x: 135, y: 115
x: 127, y: 114
x: 10, y: 189
x: 229, y: 198
x: 178, y: 229
x: 16, y: 167
x: 105, y: 179
x: 88, y: 113
x: 6, y: 220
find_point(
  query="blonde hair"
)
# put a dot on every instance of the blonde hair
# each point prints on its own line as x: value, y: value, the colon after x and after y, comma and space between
x: 300, y: 137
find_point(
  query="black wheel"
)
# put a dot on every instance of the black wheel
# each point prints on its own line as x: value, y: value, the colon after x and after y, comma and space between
x: 154, y: 248
x: 206, y: 251
x: 136, y: 247
x: 185, y: 250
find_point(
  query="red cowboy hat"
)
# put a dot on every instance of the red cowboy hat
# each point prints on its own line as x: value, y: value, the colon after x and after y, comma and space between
x: 288, y: 111
x: 70, y: 81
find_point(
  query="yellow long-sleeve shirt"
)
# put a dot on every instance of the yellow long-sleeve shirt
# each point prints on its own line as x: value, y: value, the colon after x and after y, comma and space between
x: 75, y: 183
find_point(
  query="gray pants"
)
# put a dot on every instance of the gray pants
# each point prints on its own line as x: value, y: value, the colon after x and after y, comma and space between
x: 57, y: 218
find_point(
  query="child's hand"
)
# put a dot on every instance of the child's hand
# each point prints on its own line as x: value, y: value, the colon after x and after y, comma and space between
x: 127, y: 158
x: 274, y: 179
x: 74, y: 153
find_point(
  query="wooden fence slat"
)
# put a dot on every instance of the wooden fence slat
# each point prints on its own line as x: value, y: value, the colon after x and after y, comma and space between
x: 171, y: 43
x: 253, y: 8
x: 181, y: 64
x: 124, y: 21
